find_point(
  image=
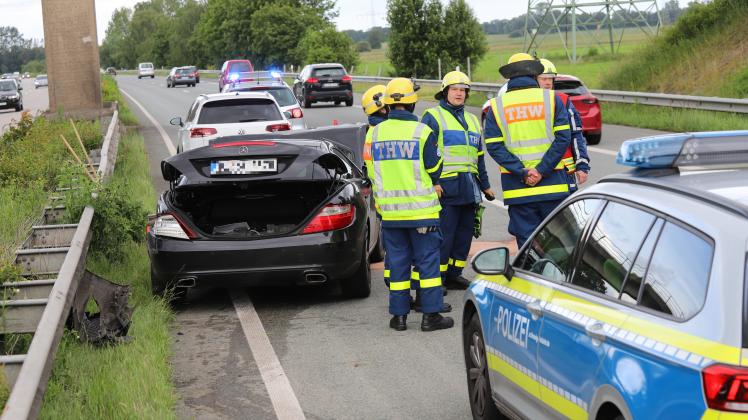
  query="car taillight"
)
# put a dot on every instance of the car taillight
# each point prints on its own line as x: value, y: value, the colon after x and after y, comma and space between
x: 346, y: 79
x: 202, y: 132
x: 277, y: 127
x: 726, y: 387
x: 297, y: 113
x: 312, y: 80
x: 169, y: 225
x: 192, y: 74
x: 331, y: 217
x: 589, y: 101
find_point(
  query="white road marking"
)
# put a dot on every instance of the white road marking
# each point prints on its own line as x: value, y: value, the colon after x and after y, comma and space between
x: 284, y: 400
x: 186, y: 91
x: 167, y: 140
x: 602, y: 151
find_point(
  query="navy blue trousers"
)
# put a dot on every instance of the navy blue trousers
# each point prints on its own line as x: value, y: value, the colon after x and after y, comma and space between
x: 457, y: 223
x: 405, y: 247
x: 524, y: 218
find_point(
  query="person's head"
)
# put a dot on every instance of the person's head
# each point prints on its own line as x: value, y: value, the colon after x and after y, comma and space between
x: 372, y: 100
x: 455, y: 88
x: 521, y: 64
x: 545, y: 79
x: 401, y: 94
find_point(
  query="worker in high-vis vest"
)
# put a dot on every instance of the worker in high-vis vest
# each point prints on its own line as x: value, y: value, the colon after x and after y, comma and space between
x: 527, y: 133
x: 577, y: 160
x: 403, y: 162
x: 463, y: 179
x: 372, y: 102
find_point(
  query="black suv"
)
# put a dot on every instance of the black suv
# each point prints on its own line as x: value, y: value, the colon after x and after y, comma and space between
x: 10, y: 94
x: 327, y: 82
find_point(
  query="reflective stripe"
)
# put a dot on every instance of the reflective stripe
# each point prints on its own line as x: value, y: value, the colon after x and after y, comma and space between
x: 501, y: 118
x: 386, y: 274
x: 530, y: 142
x: 530, y: 191
x: 443, y: 267
x: 415, y: 276
x: 418, y: 205
x: 436, y: 167
x: 400, y: 285
x: 548, y: 115
x: 457, y: 263
x: 403, y: 193
x: 495, y: 140
x: 449, y: 174
x: 434, y: 282
x: 524, y: 157
x: 417, y: 163
x: 560, y: 127
x: 377, y: 164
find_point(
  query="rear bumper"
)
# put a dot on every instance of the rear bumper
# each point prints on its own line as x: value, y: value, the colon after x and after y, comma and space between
x: 272, y: 261
x: 183, y: 81
x: 592, y: 122
x: 331, y: 95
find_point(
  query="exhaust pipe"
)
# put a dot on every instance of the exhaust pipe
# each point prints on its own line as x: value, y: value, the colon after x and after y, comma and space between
x: 316, y: 278
x: 187, y: 282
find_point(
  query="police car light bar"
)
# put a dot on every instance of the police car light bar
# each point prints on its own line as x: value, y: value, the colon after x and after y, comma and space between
x: 686, y: 149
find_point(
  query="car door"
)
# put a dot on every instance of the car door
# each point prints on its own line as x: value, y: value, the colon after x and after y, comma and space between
x: 584, y: 308
x: 543, y: 262
x: 184, y: 130
x: 298, y: 82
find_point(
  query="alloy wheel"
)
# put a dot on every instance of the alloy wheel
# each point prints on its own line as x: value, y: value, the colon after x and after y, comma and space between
x: 478, y: 374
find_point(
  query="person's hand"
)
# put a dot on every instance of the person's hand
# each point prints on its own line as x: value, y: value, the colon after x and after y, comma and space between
x: 533, y: 177
x: 582, y: 177
x: 490, y: 196
x: 439, y: 190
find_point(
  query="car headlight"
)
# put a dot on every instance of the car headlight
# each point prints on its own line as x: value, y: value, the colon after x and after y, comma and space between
x: 16, y: 96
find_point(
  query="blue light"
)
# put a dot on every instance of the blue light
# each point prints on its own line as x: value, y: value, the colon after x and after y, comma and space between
x: 234, y: 76
x: 275, y: 75
x: 684, y: 149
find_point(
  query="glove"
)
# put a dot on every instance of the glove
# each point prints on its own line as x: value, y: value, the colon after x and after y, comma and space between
x: 478, y: 222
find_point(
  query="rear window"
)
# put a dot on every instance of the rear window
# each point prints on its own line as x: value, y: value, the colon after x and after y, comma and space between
x: 146, y: 65
x: 184, y: 71
x: 328, y: 72
x: 570, y: 87
x: 231, y: 111
x: 239, y: 67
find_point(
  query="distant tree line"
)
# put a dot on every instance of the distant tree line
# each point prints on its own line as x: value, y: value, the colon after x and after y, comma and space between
x: 18, y: 53
x: 271, y: 33
x: 621, y: 19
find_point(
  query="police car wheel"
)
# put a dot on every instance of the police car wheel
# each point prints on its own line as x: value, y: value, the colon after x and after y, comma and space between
x: 593, y: 138
x: 349, y: 102
x: 359, y: 284
x: 479, y: 387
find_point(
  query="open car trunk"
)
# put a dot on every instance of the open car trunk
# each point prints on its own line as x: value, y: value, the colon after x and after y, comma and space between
x: 253, y: 210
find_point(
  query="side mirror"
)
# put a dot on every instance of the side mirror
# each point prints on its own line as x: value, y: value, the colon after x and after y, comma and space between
x: 494, y: 261
x: 490, y: 95
x: 176, y: 121
x: 287, y: 114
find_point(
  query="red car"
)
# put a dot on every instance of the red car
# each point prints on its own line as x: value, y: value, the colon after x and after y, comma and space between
x: 234, y: 71
x: 584, y: 101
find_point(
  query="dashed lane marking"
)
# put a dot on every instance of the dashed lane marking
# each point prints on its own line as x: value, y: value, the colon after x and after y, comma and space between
x: 602, y: 151
x: 165, y: 137
x: 284, y: 400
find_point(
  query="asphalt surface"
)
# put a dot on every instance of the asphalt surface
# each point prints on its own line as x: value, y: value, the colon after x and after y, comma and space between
x: 340, y: 357
x: 35, y: 101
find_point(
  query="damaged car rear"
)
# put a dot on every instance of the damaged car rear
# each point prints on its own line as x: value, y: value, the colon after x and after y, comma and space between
x: 284, y: 211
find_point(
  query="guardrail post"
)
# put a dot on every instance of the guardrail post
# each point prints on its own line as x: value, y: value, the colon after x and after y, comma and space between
x: 470, y: 76
x: 379, y: 72
x: 439, y: 64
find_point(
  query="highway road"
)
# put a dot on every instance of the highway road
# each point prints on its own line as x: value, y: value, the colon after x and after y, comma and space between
x: 252, y: 353
x: 35, y: 101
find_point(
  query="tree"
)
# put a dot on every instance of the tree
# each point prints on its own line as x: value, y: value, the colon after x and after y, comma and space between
x: 278, y: 29
x: 327, y: 46
x: 416, y: 39
x: 376, y: 36
x: 464, y: 34
x: 363, y: 46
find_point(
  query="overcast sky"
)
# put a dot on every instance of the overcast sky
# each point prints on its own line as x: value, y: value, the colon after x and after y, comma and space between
x: 26, y: 15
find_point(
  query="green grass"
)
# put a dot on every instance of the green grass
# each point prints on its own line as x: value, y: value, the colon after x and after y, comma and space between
x: 671, y: 119
x: 131, y: 380
x: 111, y: 93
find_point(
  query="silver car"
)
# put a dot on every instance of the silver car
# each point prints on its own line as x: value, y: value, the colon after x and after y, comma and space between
x: 146, y: 70
x: 280, y: 91
x: 180, y: 76
x: 40, y: 81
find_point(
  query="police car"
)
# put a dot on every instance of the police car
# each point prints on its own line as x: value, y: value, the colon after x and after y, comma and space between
x: 630, y: 301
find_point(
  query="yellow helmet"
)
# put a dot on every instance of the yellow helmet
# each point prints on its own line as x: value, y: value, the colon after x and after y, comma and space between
x: 400, y: 91
x: 519, y: 57
x: 373, y: 99
x: 456, y: 78
x: 548, y: 67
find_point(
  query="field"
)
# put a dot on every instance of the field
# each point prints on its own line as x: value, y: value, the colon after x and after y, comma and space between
x: 594, y: 61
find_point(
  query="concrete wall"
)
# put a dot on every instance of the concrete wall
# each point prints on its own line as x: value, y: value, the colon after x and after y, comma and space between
x: 72, y: 52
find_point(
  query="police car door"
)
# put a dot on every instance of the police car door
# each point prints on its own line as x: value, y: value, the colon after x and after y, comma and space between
x: 579, y: 316
x: 543, y: 264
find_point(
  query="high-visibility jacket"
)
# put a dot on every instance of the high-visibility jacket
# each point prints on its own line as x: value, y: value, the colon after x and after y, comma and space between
x: 526, y: 120
x: 460, y: 147
x: 402, y: 187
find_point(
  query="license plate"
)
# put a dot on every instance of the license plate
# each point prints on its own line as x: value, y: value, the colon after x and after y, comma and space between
x: 329, y: 85
x: 243, y: 167
x: 2, y: 103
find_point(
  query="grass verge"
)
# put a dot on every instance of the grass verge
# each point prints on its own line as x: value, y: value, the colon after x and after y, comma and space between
x: 111, y: 93
x: 671, y: 119
x: 128, y: 380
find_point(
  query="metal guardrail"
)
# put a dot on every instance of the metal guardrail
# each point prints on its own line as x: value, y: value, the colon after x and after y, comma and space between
x: 706, y: 103
x: 53, y: 259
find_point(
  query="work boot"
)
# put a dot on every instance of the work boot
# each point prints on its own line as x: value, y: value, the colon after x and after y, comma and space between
x: 399, y: 322
x: 416, y: 306
x: 433, y: 322
x: 456, y: 282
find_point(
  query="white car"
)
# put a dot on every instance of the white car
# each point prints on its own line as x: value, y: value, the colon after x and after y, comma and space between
x: 146, y: 70
x: 229, y: 114
x: 282, y: 94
